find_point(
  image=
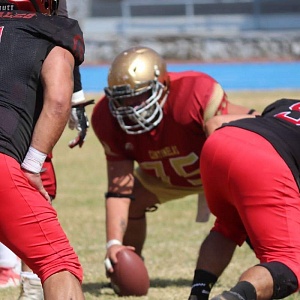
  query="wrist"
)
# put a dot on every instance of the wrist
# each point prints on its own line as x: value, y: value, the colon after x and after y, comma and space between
x: 112, y: 243
x: 34, y: 160
x: 78, y: 98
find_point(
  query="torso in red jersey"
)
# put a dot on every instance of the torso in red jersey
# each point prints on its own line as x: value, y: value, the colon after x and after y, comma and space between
x: 171, y: 150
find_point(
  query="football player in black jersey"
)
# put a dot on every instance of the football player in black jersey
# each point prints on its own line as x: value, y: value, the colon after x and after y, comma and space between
x: 38, y: 51
x: 30, y: 283
x: 250, y: 171
x: 9, y: 262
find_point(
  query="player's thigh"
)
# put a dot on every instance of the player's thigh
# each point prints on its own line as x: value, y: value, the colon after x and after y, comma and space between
x: 271, y: 214
x: 29, y: 225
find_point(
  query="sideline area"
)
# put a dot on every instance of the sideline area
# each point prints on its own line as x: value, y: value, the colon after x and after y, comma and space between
x: 232, y: 76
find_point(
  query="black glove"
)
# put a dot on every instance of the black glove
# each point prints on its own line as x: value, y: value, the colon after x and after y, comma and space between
x: 79, y: 120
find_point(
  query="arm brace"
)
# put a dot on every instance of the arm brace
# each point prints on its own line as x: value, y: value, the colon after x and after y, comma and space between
x: 118, y: 195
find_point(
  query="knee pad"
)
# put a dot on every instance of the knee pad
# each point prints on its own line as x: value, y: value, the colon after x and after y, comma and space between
x: 284, y: 280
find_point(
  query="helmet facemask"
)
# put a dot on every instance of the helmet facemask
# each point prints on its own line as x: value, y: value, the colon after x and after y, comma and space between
x: 143, y: 115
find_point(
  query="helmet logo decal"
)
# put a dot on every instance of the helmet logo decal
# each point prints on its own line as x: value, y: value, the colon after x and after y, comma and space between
x: 137, y: 65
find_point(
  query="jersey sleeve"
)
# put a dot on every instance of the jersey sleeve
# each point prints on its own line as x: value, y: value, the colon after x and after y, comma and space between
x: 108, y: 131
x: 61, y: 31
x: 198, y: 94
x: 216, y: 100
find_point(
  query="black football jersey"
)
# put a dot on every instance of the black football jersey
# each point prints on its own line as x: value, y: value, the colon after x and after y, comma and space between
x: 25, y: 41
x: 280, y: 125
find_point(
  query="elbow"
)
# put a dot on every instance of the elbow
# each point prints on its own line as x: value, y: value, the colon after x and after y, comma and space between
x: 59, y: 106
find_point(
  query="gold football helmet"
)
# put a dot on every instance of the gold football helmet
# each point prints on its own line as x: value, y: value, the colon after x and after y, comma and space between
x: 138, y: 85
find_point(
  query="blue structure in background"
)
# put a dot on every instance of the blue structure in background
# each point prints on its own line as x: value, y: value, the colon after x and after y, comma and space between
x: 232, y: 76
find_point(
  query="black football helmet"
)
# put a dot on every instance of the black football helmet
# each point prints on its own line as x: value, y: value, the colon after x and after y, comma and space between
x: 48, y: 7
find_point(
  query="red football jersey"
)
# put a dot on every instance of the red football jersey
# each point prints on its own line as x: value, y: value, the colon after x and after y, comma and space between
x: 171, y: 150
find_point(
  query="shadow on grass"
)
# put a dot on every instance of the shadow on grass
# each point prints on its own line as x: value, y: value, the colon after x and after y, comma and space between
x: 96, y: 288
x: 163, y: 282
x: 100, y: 288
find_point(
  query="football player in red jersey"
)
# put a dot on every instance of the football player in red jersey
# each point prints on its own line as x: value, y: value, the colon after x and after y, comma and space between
x: 43, y: 49
x: 154, y: 118
x: 265, y: 206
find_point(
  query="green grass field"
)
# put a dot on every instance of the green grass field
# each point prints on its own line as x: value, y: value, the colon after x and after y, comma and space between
x: 173, y: 236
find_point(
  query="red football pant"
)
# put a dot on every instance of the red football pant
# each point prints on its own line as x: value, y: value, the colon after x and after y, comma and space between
x: 29, y: 225
x: 251, y: 191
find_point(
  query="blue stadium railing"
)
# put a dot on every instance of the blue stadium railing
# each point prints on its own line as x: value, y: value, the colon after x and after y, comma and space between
x: 209, y: 14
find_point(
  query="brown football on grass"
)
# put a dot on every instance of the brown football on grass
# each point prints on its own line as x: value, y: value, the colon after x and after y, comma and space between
x: 130, y: 276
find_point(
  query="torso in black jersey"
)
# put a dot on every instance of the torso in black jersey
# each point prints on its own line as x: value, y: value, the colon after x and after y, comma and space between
x: 280, y: 125
x: 25, y: 41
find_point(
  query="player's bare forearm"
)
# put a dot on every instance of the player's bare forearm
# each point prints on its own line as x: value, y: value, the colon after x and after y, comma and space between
x: 116, y: 217
x: 116, y: 224
x: 118, y: 198
x: 235, y: 109
x: 57, y: 68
